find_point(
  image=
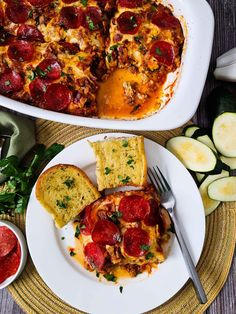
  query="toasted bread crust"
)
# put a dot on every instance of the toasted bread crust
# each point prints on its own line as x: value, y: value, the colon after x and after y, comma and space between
x: 64, y: 191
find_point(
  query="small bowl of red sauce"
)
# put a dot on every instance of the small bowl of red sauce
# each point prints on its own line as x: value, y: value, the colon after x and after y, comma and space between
x: 13, y: 253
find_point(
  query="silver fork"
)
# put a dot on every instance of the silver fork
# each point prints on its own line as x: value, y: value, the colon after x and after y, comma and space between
x: 168, y: 201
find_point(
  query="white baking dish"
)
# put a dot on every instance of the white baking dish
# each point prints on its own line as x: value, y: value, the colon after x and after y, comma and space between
x: 198, y: 24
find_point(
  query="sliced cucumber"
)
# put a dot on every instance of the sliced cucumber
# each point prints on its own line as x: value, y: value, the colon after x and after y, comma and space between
x: 224, y: 134
x: 202, y: 136
x: 189, y: 130
x: 229, y: 161
x: 223, y: 189
x: 209, y: 204
x: 194, y: 155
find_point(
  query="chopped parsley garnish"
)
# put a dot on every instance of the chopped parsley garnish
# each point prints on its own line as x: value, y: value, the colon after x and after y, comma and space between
x: 115, y: 216
x: 69, y: 182
x: 40, y: 72
x: 63, y: 238
x: 90, y: 23
x: 109, y: 57
x: 121, y: 289
x: 130, y: 161
x: 7, y: 83
x: 78, y: 230
x: 107, y: 170
x: 113, y: 150
x: 61, y: 204
x: 125, y: 143
x: 64, y: 202
x: 31, y: 76
x: 158, y: 51
x: 149, y: 255
x: 135, y: 108
x: 114, y: 47
x: 110, y: 277
x: 144, y: 247
x: 72, y: 253
x: 124, y: 180
x: 84, y: 2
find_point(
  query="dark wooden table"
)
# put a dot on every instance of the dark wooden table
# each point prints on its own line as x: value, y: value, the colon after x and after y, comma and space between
x: 225, y: 39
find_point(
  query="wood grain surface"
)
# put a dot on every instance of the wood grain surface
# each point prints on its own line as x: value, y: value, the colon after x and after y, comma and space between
x: 225, y: 39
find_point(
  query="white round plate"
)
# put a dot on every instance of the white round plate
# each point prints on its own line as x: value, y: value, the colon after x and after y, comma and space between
x: 80, y: 288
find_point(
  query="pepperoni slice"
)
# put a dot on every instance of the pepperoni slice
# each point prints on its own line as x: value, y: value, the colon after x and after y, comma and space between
x: 71, y: 17
x: 17, y: 249
x: 30, y: 33
x: 21, y: 50
x: 95, y: 255
x: 40, y: 3
x: 163, y: 52
x: 134, y: 208
x: 129, y: 22
x: 86, y: 221
x: 135, y: 242
x: 130, y: 3
x: 164, y: 19
x: 57, y: 97
x: 153, y: 218
x: 8, y: 241
x: 49, y: 69
x: 93, y: 18
x: 106, y: 232
x: 18, y: 12
x: 37, y: 88
x: 10, y: 81
x: 9, y: 265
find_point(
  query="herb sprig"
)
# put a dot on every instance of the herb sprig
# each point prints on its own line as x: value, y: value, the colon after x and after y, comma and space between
x: 20, y: 179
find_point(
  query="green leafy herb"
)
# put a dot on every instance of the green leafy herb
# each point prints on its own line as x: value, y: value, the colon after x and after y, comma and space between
x: 40, y: 72
x: 124, y: 180
x: 63, y: 238
x: 81, y: 58
x: 130, y: 161
x: 77, y: 231
x: 107, y: 170
x: 125, y: 143
x: 90, y: 23
x: 113, y: 150
x: 115, y: 216
x: 20, y: 178
x: 7, y: 83
x: 110, y: 277
x: 109, y: 57
x: 30, y: 15
x: 70, y: 182
x: 121, y: 289
x: 144, y: 247
x: 138, y: 38
x: 149, y: 255
x: 72, y: 253
x: 31, y: 76
x: 158, y: 51
x: 63, y: 74
x: 114, y: 47
x: 61, y: 204
x: 84, y: 2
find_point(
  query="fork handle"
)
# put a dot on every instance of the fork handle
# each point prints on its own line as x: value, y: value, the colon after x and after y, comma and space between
x: 189, y: 262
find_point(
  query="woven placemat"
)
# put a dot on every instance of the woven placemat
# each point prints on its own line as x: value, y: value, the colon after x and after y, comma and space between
x: 32, y: 294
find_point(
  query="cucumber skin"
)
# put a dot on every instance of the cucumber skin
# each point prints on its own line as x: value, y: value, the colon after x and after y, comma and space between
x: 219, y: 101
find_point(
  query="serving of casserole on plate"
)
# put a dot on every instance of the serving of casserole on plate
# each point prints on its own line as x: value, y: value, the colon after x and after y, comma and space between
x: 101, y: 63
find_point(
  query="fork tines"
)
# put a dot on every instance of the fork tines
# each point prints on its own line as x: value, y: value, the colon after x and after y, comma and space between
x: 157, y: 179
